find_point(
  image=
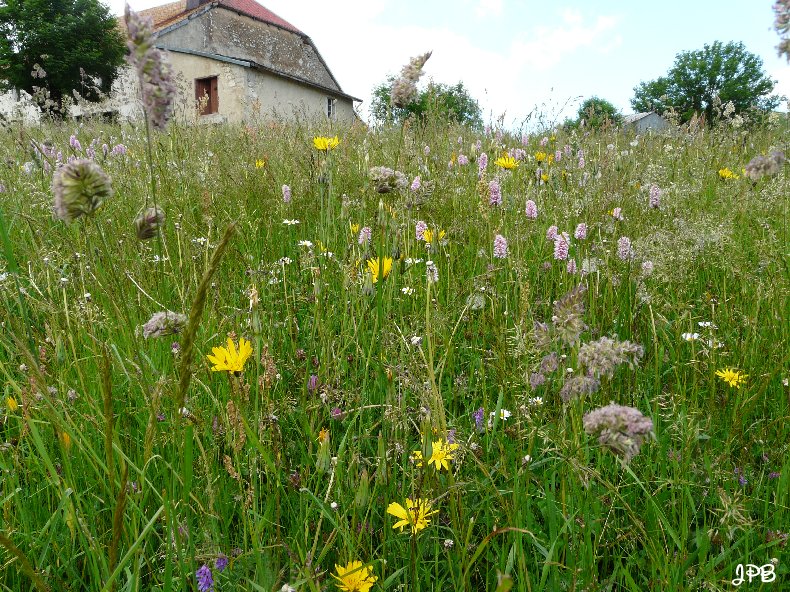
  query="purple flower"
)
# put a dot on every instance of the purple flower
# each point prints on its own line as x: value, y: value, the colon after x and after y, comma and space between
x: 543, y: 141
x: 655, y: 196
x: 204, y: 580
x: 337, y: 413
x: 427, y: 150
x: 105, y: 150
x: 524, y: 139
x: 500, y: 247
x: 551, y: 233
x: 416, y: 184
x: 581, y: 162
x: 558, y: 156
x: 774, y: 475
x: 286, y: 194
x: 617, y: 214
x: 624, y: 250
x: 312, y: 383
x: 451, y: 436
x: 536, y: 379
x: 364, y: 235
x: 581, y: 232
x: 494, y: 193
x: 221, y: 563
x: 482, y: 162
x: 463, y: 159
x: 531, y: 210
x: 647, y: 267
x: 571, y: 267
x: 75, y: 143
x: 562, y: 244
x: 567, y: 149
x: 479, y: 416
x: 420, y: 229
x: 118, y: 150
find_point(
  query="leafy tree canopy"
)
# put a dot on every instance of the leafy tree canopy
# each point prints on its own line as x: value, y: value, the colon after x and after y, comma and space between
x: 72, y: 41
x: 453, y: 102
x: 691, y: 86
x: 597, y: 113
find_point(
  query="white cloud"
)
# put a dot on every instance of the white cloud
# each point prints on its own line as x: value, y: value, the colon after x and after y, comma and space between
x: 489, y: 8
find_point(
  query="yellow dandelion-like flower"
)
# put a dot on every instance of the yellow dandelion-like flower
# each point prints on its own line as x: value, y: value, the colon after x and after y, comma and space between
x: 259, y: 164
x: 506, y: 162
x: 379, y: 269
x: 416, y: 515
x: 323, y: 435
x: 540, y: 156
x: 354, y: 577
x: 11, y: 404
x: 544, y: 177
x: 441, y: 454
x: 428, y: 234
x: 229, y: 358
x: 66, y: 439
x: 735, y: 378
x: 416, y: 457
x: 354, y: 228
x: 325, y: 144
x: 726, y: 173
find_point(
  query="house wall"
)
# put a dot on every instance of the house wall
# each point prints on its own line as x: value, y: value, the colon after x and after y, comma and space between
x: 652, y: 121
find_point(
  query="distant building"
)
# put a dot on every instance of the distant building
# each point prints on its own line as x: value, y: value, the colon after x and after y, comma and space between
x: 642, y: 122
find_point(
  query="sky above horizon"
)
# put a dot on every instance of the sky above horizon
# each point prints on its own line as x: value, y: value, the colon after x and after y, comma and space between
x: 518, y: 57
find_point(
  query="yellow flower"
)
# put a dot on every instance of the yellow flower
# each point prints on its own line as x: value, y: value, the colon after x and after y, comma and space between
x: 228, y: 358
x: 428, y: 235
x: 726, y: 173
x: 735, y: 378
x: 66, y: 439
x: 323, y: 435
x: 544, y: 177
x: 416, y: 457
x: 354, y: 577
x: 540, y: 156
x: 378, y: 269
x: 323, y: 143
x: 11, y: 404
x: 259, y: 164
x: 354, y: 228
x: 506, y: 162
x: 441, y: 453
x: 416, y: 517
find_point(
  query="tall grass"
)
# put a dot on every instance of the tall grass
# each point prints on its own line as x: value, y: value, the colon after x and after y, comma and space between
x: 127, y: 464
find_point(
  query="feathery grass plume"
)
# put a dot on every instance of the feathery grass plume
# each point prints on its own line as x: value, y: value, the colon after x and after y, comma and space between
x: 387, y: 180
x: 761, y: 166
x: 601, y: 357
x: 782, y: 26
x: 79, y: 188
x: 578, y: 385
x: 195, y: 314
x: 148, y: 222
x: 619, y: 428
x: 163, y: 323
x: 24, y: 563
x: 567, y: 318
x: 404, y: 89
x: 155, y: 75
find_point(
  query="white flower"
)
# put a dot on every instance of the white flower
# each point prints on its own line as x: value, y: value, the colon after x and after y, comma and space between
x: 416, y: 340
x: 290, y: 222
x: 448, y: 543
x: 306, y: 243
x: 690, y: 336
x: 285, y: 261
x: 526, y: 460
x: 706, y: 324
x: 333, y: 505
x: 535, y: 401
x: 407, y: 290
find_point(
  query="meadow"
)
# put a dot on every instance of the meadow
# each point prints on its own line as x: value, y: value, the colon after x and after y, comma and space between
x: 417, y: 322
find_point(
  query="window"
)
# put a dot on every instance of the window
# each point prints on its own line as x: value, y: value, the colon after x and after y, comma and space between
x: 206, y: 95
x: 330, y: 107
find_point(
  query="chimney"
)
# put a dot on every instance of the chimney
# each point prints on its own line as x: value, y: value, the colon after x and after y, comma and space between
x: 192, y: 4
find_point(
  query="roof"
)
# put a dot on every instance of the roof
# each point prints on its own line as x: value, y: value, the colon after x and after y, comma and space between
x: 634, y: 117
x: 167, y: 14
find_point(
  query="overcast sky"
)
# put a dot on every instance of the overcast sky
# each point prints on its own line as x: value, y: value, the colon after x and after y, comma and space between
x: 516, y: 56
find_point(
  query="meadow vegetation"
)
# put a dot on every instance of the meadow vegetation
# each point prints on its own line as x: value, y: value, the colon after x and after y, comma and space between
x: 417, y: 321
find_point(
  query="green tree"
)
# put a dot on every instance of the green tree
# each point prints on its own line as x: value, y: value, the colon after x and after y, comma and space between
x: 451, y: 101
x: 71, y: 41
x: 598, y: 113
x: 691, y: 86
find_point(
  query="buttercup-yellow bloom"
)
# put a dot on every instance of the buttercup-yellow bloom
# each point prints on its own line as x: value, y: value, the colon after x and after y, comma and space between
x: 442, y: 453
x: 726, y: 173
x: 427, y: 235
x: 506, y: 162
x: 229, y: 358
x: 378, y: 269
x: 416, y: 517
x: 735, y: 378
x: 354, y: 577
x: 259, y: 164
x: 11, y: 404
x: 323, y: 143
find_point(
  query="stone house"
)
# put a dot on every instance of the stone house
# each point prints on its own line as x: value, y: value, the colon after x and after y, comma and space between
x: 642, y: 122
x: 237, y: 60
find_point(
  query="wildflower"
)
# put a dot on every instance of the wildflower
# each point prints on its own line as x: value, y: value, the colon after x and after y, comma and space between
x: 259, y: 164
x: 506, y: 162
x: 154, y: 74
x: 571, y: 266
x: 551, y: 233
x: 354, y: 577
x: 431, y: 272
x: 164, y: 323
x: 617, y: 214
x: 581, y: 162
x: 420, y: 229
x: 379, y: 269
x: 690, y: 336
x: 148, y: 222
x: 482, y: 163
x: 407, y: 290
x: 536, y: 379
x: 504, y: 415
x: 531, y: 210
x: 325, y: 144
x: 387, y: 179
x: 11, y: 404
x: 726, y: 174
x: 229, y: 358
x: 312, y: 384
x: 66, y: 439
x: 494, y: 193
x: 761, y: 166
x: 463, y: 160
x: 561, y: 246
x: 416, y: 184
x: 655, y: 196
x: 286, y: 194
x: 427, y: 235
x: 221, y: 563
x: 581, y: 232
x: 290, y: 222
x: 540, y: 156
x: 624, y: 250
x: 620, y: 429
x: 354, y: 227
x: 448, y: 543
x: 500, y: 247
x: 365, y: 235
x: 647, y: 267
x: 79, y: 187
x: 404, y: 89
x: 306, y: 243
x: 416, y: 515
x: 567, y: 318
x: 441, y: 453
x: 478, y: 417
x: 735, y: 378
x: 204, y: 579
